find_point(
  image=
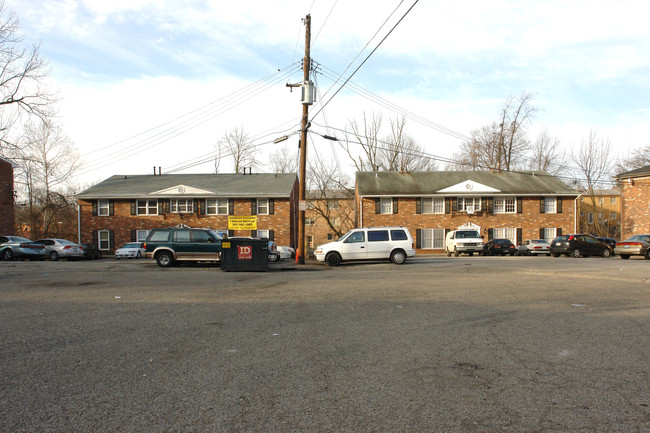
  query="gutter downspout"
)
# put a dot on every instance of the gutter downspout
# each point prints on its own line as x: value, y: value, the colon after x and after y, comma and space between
x: 79, y: 223
x: 576, y: 215
x: 360, y: 211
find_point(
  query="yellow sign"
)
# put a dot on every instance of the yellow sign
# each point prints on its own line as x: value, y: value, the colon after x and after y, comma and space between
x: 242, y: 222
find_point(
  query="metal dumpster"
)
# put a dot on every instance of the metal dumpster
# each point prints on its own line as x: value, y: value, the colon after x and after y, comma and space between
x: 243, y: 254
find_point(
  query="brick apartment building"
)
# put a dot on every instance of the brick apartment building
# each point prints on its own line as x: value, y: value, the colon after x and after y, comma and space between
x: 601, y: 217
x: 511, y: 205
x: 122, y: 209
x: 7, y: 203
x: 635, y: 202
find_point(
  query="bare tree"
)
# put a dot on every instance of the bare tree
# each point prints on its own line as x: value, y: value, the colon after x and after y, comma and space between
x: 401, y: 152
x: 546, y: 154
x: 397, y: 152
x: 47, y: 161
x: 594, y: 164
x: 327, y: 184
x: 237, y: 145
x: 23, y: 93
x: 638, y: 159
x: 284, y: 161
x: 500, y: 145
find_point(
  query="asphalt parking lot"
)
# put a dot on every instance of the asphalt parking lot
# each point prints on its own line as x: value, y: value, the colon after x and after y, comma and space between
x: 467, y: 344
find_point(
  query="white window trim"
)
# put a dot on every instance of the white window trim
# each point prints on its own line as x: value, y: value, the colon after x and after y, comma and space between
x: 386, y: 205
x: 147, y: 206
x: 509, y: 233
x: 463, y: 201
x: 189, y: 205
x: 107, y: 233
x: 432, y: 239
x: 548, y: 208
x: 435, y: 202
x: 550, y: 233
x: 500, y: 205
x: 260, y: 206
x: 263, y: 233
x: 139, y: 238
x: 103, y: 208
x: 217, y: 204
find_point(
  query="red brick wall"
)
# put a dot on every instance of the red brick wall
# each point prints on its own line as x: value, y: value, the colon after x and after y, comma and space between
x: 636, y: 207
x: 122, y: 222
x: 530, y: 220
x: 7, y: 210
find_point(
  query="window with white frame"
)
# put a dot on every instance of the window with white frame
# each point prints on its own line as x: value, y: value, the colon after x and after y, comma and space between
x: 432, y: 239
x: 332, y: 204
x: 601, y: 201
x: 103, y: 208
x: 216, y: 206
x: 472, y: 203
x: 147, y: 207
x: 435, y: 205
x: 612, y: 200
x: 613, y: 215
x: 141, y: 235
x: 506, y: 233
x: 182, y: 205
x: 601, y: 216
x: 505, y: 205
x: 104, y: 239
x: 263, y: 234
x: 549, y: 234
x: 550, y: 205
x: 386, y: 205
x: 590, y: 218
x: 336, y: 221
x: 310, y: 241
x: 262, y: 206
x: 310, y: 221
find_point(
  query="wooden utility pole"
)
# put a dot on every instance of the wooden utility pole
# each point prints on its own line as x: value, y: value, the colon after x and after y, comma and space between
x: 302, y: 188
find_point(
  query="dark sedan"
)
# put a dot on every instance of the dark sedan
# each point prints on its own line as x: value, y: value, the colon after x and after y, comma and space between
x: 499, y: 247
x: 579, y: 245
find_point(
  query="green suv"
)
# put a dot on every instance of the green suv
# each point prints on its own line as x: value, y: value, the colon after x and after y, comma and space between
x: 170, y: 245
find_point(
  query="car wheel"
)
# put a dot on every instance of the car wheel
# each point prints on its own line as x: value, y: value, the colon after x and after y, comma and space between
x: 456, y: 252
x: 575, y: 253
x: 607, y: 252
x: 54, y: 256
x: 398, y: 257
x: 8, y: 254
x: 138, y: 256
x: 647, y: 254
x: 164, y: 259
x: 448, y: 253
x: 333, y: 259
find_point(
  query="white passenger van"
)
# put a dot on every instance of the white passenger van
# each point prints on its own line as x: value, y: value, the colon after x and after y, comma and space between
x: 370, y: 243
x: 465, y: 241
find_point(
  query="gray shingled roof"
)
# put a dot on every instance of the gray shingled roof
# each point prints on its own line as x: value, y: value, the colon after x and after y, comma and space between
x: 639, y: 172
x: 391, y: 183
x: 218, y: 185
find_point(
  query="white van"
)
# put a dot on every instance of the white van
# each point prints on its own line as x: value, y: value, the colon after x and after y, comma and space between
x: 467, y: 241
x: 394, y: 243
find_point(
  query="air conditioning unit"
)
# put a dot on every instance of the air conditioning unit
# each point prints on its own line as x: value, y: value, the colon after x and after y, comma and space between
x: 470, y: 210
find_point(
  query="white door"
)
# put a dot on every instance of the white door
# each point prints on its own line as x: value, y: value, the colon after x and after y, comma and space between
x: 354, y: 247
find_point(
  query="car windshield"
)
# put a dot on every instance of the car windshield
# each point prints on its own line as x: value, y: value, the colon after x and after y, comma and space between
x: 131, y: 245
x: 467, y: 234
x: 639, y: 238
x: 344, y: 237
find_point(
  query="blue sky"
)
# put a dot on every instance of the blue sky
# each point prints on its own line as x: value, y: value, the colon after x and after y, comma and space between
x: 123, y: 68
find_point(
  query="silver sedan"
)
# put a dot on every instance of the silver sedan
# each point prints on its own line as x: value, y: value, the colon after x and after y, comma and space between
x: 62, y: 248
x: 637, y: 245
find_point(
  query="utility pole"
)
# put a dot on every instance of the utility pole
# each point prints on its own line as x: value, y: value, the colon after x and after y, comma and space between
x: 307, y: 99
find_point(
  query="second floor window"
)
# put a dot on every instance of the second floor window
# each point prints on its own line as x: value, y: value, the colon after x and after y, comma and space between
x: 262, y: 206
x: 469, y: 203
x: 550, y: 205
x: 147, y: 207
x: 505, y: 205
x: 216, y: 206
x: 182, y: 205
x: 433, y: 205
x: 103, y: 208
x: 386, y: 205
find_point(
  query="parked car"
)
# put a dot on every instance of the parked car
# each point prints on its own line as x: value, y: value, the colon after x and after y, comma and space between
x: 91, y: 252
x: 637, y: 245
x: 536, y: 247
x: 18, y: 247
x: 132, y: 250
x: 173, y: 244
x: 394, y: 243
x: 274, y: 254
x: 463, y: 241
x: 578, y: 245
x: 609, y: 241
x: 286, y: 252
x: 499, y: 247
x: 62, y: 249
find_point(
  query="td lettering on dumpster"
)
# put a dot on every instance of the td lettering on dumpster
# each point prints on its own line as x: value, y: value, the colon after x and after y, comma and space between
x: 245, y: 252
